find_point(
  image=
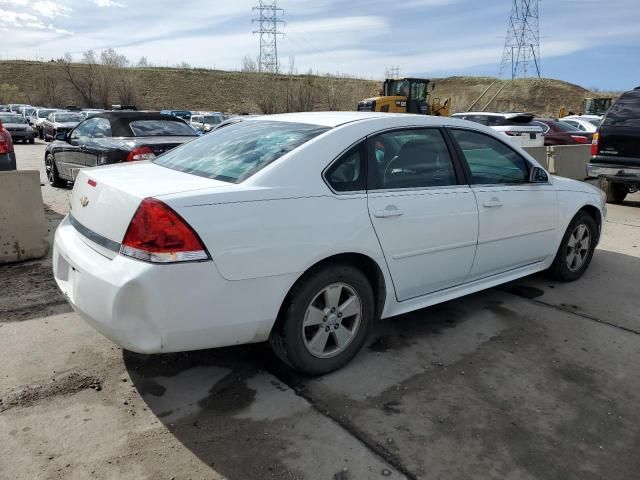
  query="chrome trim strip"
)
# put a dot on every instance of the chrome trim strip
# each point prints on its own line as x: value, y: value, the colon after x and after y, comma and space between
x: 439, y: 248
x: 94, y: 237
x: 515, y: 235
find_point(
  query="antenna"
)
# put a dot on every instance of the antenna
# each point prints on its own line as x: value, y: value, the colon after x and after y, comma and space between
x: 522, y: 46
x: 269, y: 16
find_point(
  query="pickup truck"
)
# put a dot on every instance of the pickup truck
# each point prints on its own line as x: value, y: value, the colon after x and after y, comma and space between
x: 615, y: 149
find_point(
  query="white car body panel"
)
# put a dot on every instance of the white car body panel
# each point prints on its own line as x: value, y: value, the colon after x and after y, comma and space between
x: 519, y: 135
x: 582, y: 122
x: 264, y: 233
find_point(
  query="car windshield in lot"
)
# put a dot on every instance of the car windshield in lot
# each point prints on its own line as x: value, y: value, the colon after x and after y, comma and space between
x: 161, y: 128
x: 44, y: 113
x: 235, y: 153
x: 69, y: 117
x: 12, y: 119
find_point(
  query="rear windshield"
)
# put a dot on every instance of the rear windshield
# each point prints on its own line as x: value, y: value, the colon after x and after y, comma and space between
x: 235, y: 153
x: 12, y: 119
x: 565, y: 127
x: 161, y: 128
x: 625, y: 112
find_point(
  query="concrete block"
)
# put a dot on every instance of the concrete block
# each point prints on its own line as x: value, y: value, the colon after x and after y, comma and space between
x: 540, y: 154
x: 570, y: 160
x: 23, y: 228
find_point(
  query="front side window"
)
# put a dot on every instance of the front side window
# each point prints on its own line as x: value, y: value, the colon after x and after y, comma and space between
x: 347, y: 173
x: 160, y: 128
x: 234, y: 153
x: 83, y: 130
x: 490, y: 161
x: 102, y: 128
x: 412, y: 158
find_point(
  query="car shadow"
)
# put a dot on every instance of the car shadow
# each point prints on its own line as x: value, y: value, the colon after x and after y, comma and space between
x: 201, y: 397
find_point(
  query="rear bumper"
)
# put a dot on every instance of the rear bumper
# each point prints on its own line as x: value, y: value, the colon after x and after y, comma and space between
x: 151, y: 308
x: 22, y: 135
x: 619, y: 173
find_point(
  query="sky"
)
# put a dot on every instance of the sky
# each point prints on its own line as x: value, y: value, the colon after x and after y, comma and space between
x: 593, y: 43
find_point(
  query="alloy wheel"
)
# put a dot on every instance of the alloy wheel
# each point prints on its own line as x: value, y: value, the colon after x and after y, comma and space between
x: 578, y: 247
x: 331, y: 321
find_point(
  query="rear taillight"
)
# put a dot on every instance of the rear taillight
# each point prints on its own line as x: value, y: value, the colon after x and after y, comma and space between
x: 158, y: 234
x: 594, y: 144
x: 580, y: 139
x: 141, y: 153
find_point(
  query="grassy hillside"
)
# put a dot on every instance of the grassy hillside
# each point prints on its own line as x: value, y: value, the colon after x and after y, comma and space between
x: 198, y: 89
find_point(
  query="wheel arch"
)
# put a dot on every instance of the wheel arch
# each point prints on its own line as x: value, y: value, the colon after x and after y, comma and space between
x: 364, y: 263
x: 595, y: 213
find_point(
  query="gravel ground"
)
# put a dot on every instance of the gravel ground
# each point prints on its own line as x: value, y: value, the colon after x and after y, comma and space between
x: 532, y: 380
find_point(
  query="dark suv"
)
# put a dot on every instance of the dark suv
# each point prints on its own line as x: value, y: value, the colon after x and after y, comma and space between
x: 615, y: 149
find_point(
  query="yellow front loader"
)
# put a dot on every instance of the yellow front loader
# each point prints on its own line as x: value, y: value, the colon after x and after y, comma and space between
x: 407, y: 95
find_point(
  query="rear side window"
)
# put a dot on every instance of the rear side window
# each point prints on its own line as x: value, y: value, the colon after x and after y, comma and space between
x: 160, y: 128
x: 490, y: 161
x: 625, y: 112
x: 347, y: 173
x: 234, y: 153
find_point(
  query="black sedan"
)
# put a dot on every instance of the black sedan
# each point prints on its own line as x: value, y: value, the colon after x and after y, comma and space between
x: 18, y: 127
x: 113, y: 137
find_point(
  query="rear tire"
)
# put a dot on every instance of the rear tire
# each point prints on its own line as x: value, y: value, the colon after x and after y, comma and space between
x: 576, y: 249
x: 52, y: 172
x: 327, y: 320
x: 32, y: 140
x: 616, y: 192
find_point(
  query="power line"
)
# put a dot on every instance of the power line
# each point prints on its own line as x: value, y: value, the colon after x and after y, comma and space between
x: 269, y: 16
x: 522, y: 46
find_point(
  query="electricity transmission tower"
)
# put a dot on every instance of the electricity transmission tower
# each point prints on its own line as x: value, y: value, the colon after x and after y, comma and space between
x: 522, y: 45
x: 269, y: 17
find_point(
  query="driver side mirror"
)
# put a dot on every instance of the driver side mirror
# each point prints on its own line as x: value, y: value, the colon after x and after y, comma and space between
x: 61, y: 136
x: 538, y: 175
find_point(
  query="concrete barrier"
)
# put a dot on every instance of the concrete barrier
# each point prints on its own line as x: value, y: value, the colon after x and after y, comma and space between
x: 564, y: 160
x: 23, y: 228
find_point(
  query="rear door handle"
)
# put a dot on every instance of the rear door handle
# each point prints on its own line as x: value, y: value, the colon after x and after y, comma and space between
x: 493, y: 203
x: 389, y: 211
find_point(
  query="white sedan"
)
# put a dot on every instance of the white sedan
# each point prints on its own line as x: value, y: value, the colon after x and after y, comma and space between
x: 584, y: 123
x: 304, y: 229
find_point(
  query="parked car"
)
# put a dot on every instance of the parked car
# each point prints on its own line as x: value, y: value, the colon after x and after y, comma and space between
x: 233, y: 120
x: 60, y: 122
x: 183, y: 114
x: 559, y: 133
x: 517, y: 126
x: 113, y: 137
x: 18, y: 127
x: 7, y: 153
x: 90, y: 112
x: 15, y: 107
x: 26, y: 111
x: 206, y: 122
x: 615, y: 148
x: 4, y: 108
x: 37, y: 118
x: 584, y: 123
x: 306, y: 228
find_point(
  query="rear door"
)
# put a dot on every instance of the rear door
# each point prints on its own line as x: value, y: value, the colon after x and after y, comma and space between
x: 517, y: 219
x: 425, y: 218
x: 619, y: 141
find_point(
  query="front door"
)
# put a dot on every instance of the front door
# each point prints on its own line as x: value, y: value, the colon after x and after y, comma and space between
x: 518, y: 219
x: 425, y: 219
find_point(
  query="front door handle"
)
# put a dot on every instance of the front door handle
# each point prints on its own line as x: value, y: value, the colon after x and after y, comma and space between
x: 493, y: 203
x: 389, y: 211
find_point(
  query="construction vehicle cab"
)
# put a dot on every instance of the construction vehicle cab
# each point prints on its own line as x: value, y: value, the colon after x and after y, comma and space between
x: 596, y: 106
x: 406, y: 95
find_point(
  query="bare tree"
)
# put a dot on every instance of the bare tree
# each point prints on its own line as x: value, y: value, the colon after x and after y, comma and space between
x: 143, y: 62
x: 249, y: 64
x: 8, y: 92
x: 302, y: 94
x: 332, y: 93
x: 50, y: 84
x: 183, y: 65
x: 83, y: 78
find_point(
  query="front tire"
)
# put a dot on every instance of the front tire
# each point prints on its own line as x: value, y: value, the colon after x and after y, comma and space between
x: 576, y: 249
x: 327, y: 320
x: 52, y: 172
x: 616, y: 192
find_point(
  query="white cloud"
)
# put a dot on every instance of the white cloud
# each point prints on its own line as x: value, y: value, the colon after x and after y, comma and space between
x: 108, y: 3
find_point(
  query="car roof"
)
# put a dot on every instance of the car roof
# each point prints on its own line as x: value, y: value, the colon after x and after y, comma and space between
x: 325, y: 119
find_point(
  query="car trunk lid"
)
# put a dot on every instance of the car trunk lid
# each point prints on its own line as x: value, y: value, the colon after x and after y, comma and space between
x: 105, y: 199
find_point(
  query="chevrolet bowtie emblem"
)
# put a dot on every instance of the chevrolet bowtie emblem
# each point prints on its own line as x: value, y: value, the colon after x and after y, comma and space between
x: 84, y: 201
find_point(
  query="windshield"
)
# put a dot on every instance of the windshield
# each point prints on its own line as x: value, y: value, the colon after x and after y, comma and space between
x: 212, y: 120
x: 161, y: 128
x: 12, y: 119
x: 44, y: 113
x: 235, y: 153
x: 398, y: 88
x: 69, y: 117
